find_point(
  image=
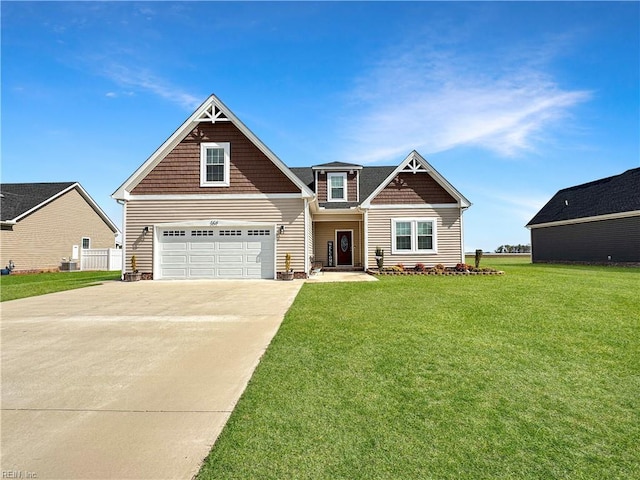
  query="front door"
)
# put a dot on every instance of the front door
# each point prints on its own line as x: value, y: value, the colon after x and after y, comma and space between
x: 344, y: 247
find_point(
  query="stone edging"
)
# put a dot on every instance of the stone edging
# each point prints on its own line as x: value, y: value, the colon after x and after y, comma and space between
x: 375, y: 272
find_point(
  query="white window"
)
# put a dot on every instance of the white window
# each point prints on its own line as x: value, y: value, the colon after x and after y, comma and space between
x: 337, y: 187
x: 86, y: 243
x: 414, y: 235
x: 215, y: 164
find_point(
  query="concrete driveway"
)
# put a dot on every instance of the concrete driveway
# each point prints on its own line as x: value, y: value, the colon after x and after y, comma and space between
x: 129, y: 380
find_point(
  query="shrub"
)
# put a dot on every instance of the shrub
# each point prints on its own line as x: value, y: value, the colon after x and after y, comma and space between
x: 463, y: 267
x: 439, y: 267
x: 394, y: 268
x: 419, y: 267
x: 400, y: 267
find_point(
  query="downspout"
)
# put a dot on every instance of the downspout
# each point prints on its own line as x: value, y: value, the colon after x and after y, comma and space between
x: 462, y: 256
x: 124, y: 237
x: 365, y: 217
x: 307, y: 267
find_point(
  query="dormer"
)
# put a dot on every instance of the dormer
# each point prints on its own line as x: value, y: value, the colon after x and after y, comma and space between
x: 337, y: 184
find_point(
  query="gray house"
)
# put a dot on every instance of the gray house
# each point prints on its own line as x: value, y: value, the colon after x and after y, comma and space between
x: 596, y: 222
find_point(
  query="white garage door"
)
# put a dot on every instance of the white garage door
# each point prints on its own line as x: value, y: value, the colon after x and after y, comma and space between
x: 230, y: 252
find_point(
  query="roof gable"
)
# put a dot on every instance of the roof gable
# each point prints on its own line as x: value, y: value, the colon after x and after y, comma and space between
x: 21, y: 199
x: 213, y: 111
x: 611, y: 195
x: 415, y: 163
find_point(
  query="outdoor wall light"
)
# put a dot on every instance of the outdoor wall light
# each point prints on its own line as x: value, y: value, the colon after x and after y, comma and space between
x: 281, y: 229
x: 145, y: 230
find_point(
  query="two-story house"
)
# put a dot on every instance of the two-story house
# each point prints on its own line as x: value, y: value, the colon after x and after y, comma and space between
x: 213, y: 201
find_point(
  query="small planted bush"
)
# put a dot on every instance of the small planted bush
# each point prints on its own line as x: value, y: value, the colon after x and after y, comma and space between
x: 419, y: 267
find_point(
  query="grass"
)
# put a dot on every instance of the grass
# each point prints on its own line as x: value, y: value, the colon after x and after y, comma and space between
x: 13, y: 287
x: 535, y: 374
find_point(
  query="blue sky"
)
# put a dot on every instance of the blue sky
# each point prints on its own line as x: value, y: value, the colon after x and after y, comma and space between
x: 510, y: 101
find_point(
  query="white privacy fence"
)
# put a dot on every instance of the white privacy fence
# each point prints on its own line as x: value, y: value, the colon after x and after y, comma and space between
x: 101, y: 259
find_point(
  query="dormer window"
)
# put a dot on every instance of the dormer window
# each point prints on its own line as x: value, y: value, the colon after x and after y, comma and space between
x: 337, y: 187
x: 215, y: 164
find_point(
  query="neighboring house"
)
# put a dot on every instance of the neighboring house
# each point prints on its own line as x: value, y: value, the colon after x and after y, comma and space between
x: 42, y: 223
x: 595, y: 222
x: 214, y: 202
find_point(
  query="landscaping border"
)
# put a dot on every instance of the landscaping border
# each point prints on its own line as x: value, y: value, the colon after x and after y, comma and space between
x: 375, y: 271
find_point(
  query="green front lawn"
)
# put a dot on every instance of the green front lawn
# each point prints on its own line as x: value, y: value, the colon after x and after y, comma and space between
x: 535, y: 374
x: 21, y: 286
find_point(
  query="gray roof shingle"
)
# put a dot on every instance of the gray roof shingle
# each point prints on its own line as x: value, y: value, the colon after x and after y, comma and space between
x: 616, y: 194
x: 19, y: 198
x: 370, y: 179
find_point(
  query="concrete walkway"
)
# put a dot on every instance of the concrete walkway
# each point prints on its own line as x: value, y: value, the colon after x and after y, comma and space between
x: 129, y: 380
x: 341, y: 277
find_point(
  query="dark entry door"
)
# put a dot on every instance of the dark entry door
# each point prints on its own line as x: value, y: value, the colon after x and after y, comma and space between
x: 344, y: 247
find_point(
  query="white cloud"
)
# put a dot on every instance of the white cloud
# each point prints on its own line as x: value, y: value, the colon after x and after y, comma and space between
x: 435, y: 101
x: 142, y: 79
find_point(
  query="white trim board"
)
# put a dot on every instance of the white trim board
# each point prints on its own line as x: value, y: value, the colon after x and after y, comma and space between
x: 217, y: 196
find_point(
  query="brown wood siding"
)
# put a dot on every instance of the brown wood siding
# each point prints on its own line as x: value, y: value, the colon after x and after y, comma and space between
x: 352, y: 187
x: 287, y: 212
x: 413, y: 189
x: 251, y: 171
x: 588, y: 242
x: 326, y: 231
x: 41, y: 239
x: 448, y: 236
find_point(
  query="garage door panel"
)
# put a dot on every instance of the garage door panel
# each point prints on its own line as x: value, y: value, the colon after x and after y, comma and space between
x: 237, y: 272
x: 202, y: 259
x: 231, y: 245
x: 174, y: 273
x: 202, y: 272
x: 168, y: 245
x: 236, y: 253
x: 226, y: 259
x: 197, y: 246
x: 174, y: 259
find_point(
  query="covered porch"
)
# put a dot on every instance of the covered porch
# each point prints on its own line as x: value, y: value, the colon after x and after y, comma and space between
x: 339, y: 241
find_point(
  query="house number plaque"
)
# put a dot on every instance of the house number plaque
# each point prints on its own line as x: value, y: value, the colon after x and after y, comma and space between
x: 330, y: 253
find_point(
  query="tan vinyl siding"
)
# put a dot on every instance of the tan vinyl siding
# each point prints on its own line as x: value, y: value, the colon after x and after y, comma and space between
x: 326, y: 231
x: 40, y: 240
x: 448, y: 236
x: 250, y: 172
x: 287, y: 212
x: 409, y: 188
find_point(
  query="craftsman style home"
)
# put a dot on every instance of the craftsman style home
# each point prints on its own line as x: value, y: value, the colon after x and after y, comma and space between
x: 42, y: 223
x: 596, y: 222
x: 213, y: 201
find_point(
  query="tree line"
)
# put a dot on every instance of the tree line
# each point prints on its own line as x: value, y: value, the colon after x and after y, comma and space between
x: 513, y: 249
